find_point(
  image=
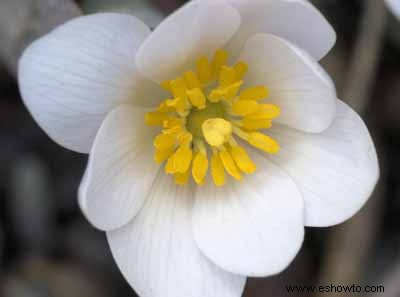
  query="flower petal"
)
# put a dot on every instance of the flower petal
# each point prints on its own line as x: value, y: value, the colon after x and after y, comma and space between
x: 82, y: 192
x: 335, y: 171
x: 254, y: 227
x: 394, y: 6
x: 298, y: 85
x: 71, y: 78
x: 198, y: 28
x: 157, y: 254
x: 121, y: 169
x: 295, y: 20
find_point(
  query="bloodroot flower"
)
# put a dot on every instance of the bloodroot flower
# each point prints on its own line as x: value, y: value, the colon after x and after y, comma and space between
x: 212, y: 140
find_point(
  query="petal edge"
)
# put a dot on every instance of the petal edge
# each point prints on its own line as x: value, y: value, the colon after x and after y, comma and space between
x: 72, y: 77
x: 157, y: 254
x: 336, y: 171
x: 295, y: 20
x: 120, y: 171
x: 253, y: 228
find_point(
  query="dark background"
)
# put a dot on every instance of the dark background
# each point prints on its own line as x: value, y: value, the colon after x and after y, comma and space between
x: 47, y: 248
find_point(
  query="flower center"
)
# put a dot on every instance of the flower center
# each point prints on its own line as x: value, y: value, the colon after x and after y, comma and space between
x: 197, y: 117
x: 207, y: 113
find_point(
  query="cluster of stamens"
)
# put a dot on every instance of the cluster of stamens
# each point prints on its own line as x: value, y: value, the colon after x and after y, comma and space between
x: 207, y: 115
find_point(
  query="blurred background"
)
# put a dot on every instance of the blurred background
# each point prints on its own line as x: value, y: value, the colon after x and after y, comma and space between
x: 47, y: 248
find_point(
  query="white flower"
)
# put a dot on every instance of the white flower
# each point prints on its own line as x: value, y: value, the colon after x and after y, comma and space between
x: 394, y: 6
x: 93, y: 85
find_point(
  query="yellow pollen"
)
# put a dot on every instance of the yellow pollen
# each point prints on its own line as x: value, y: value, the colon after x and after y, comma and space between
x: 207, y: 113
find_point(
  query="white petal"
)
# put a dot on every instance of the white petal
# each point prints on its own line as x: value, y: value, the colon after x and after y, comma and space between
x: 198, y: 28
x: 297, y: 83
x: 394, y: 6
x: 336, y: 170
x: 82, y: 192
x: 71, y: 78
x: 254, y: 227
x: 121, y: 169
x: 157, y: 254
x: 295, y: 20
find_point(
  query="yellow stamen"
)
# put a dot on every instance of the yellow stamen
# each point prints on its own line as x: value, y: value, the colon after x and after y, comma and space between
x: 200, y: 162
x: 164, y: 142
x: 172, y: 122
x: 182, y: 159
x: 169, y: 166
x: 227, y: 76
x: 204, y: 70
x: 191, y: 80
x: 229, y: 164
x: 254, y: 93
x: 219, y: 60
x: 205, y: 113
x: 241, y: 70
x: 197, y: 98
x: 244, y: 107
x: 179, y: 103
x: 164, y: 108
x: 155, y: 118
x: 217, y: 170
x: 250, y: 124
x: 161, y: 156
x: 265, y: 111
x: 185, y: 138
x: 263, y: 142
x: 175, y: 130
x: 182, y: 178
x: 200, y: 167
x: 225, y: 92
x: 178, y: 88
x: 243, y: 160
